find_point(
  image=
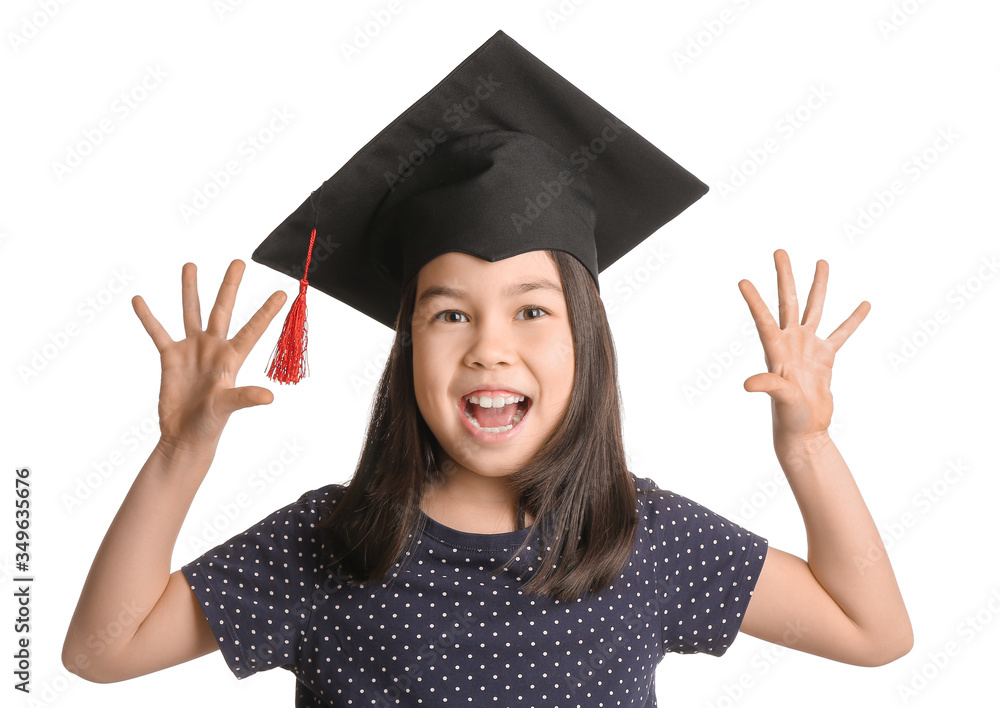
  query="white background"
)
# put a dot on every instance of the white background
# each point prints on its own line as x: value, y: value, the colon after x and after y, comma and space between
x: 708, y: 83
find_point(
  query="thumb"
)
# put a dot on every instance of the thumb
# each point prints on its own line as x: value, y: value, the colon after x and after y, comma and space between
x: 235, y: 399
x: 771, y: 384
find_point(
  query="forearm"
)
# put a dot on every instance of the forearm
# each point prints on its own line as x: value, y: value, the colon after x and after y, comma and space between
x: 132, y: 565
x: 846, y: 554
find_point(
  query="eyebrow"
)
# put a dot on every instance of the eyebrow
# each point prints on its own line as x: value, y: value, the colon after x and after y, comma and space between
x: 511, y: 291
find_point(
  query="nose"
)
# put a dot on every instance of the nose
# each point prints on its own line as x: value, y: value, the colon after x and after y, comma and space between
x: 490, y: 345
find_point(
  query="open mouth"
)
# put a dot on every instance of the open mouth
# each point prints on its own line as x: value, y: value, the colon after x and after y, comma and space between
x: 496, y: 414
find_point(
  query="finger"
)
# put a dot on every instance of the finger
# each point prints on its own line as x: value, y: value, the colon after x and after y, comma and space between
x: 222, y: 312
x: 847, y: 327
x: 771, y: 384
x: 817, y: 294
x: 153, y: 328
x: 247, y: 337
x: 235, y: 399
x: 761, y: 315
x: 189, y: 299
x: 788, y: 303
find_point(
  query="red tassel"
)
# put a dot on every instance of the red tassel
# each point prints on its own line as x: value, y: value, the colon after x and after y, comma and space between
x: 288, y: 360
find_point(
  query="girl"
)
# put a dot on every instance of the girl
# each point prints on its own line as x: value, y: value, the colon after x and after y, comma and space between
x: 492, y: 546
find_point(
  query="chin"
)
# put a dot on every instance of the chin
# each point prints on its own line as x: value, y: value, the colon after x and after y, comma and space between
x: 482, y: 467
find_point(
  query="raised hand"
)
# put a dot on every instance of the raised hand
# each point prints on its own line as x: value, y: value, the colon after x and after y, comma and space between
x: 799, y: 363
x: 197, y: 383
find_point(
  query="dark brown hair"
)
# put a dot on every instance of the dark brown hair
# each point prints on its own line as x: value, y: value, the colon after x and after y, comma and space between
x: 577, y: 486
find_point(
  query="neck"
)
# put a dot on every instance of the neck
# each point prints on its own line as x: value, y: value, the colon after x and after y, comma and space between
x: 474, y: 503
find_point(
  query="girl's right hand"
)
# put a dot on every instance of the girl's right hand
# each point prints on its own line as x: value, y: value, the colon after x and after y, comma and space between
x: 197, y: 393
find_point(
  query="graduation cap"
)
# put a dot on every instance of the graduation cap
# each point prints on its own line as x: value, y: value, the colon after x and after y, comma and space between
x: 503, y: 156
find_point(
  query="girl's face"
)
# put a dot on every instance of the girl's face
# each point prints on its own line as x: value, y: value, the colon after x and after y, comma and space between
x: 496, y: 330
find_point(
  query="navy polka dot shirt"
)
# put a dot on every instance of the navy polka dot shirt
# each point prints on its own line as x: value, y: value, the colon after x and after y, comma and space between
x: 445, y: 630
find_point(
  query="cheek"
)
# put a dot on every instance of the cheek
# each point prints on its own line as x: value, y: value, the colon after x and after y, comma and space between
x: 563, y: 355
x: 420, y: 349
x: 558, y: 351
x: 430, y: 378
x: 422, y: 376
x: 555, y: 362
x: 566, y: 364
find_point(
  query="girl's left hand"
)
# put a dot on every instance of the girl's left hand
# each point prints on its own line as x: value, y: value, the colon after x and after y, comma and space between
x: 799, y: 363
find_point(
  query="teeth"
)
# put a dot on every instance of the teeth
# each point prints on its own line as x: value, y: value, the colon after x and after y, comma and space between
x: 497, y: 402
x: 502, y: 429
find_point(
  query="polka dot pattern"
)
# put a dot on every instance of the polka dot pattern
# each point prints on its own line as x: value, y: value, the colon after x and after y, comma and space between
x: 445, y: 629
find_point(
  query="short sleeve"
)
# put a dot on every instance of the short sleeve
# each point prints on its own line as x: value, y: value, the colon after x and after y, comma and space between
x: 257, y: 589
x: 707, y: 567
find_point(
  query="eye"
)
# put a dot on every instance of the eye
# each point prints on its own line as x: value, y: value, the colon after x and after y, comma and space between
x: 444, y: 316
x: 539, y: 312
x: 447, y: 316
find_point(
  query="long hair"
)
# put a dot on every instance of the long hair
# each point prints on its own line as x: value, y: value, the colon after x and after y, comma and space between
x: 577, y: 486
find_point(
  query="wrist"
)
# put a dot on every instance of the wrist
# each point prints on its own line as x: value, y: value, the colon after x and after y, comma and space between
x: 186, y: 453
x: 797, y: 450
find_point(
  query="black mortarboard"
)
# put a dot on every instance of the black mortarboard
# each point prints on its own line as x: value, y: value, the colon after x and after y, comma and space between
x: 502, y: 157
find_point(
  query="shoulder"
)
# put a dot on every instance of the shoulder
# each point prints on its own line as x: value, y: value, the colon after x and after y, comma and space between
x: 653, y: 499
x: 666, y: 513
x: 319, y: 501
x: 292, y: 526
x: 288, y: 537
